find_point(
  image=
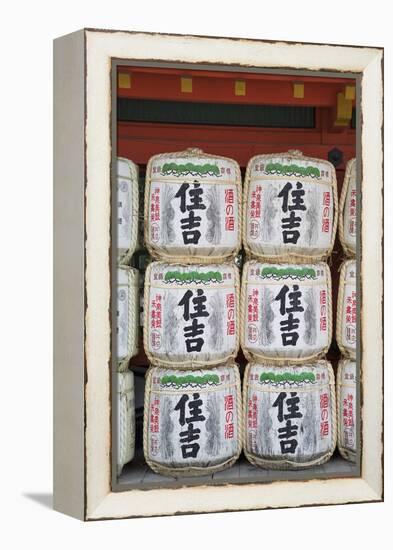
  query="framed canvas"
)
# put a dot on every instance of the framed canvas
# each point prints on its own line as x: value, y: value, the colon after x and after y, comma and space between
x: 94, y: 71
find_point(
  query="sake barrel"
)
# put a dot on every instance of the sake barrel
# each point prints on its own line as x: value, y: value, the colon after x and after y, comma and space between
x: 346, y: 409
x: 127, y: 200
x: 191, y: 314
x: 289, y: 415
x: 192, y: 207
x: 346, y: 310
x: 127, y: 314
x: 192, y: 420
x: 347, y: 217
x: 290, y: 207
x: 125, y: 419
x: 286, y: 311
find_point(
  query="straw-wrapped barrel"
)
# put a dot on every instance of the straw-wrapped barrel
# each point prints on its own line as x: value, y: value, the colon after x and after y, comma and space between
x: 290, y: 210
x: 286, y: 311
x: 127, y: 200
x: 127, y: 318
x: 348, y: 210
x: 191, y: 314
x: 289, y: 415
x: 346, y: 409
x: 192, y: 207
x: 192, y: 420
x: 347, y: 310
x: 125, y: 419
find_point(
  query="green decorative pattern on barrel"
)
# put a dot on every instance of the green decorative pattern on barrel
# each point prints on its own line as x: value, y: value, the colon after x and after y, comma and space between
x: 190, y: 169
x: 193, y: 277
x: 189, y: 379
x: 287, y: 377
x: 291, y: 272
x: 292, y: 170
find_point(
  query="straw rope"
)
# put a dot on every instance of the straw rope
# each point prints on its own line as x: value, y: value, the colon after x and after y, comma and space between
x: 251, y: 354
x: 186, y: 364
x: 290, y: 464
x: 190, y: 471
x: 346, y: 351
x: 287, y: 256
x: 348, y: 454
x: 155, y: 251
x: 125, y: 256
x: 126, y: 400
x: 133, y: 316
x: 347, y: 247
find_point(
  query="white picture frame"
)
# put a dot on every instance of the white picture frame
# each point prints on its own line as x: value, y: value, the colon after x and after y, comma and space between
x: 82, y: 247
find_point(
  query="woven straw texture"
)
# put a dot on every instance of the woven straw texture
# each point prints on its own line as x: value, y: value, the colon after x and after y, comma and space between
x: 185, y: 362
x: 126, y: 419
x: 344, y: 283
x: 124, y: 255
x: 289, y: 464
x: 253, y: 354
x: 191, y: 255
x: 192, y: 471
x: 343, y: 387
x: 289, y: 253
x: 133, y: 317
x: 348, y: 246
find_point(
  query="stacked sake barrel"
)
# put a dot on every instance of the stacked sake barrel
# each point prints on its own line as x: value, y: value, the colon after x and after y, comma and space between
x: 127, y: 305
x: 346, y: 318
x: 193, y: 410
x: 289, y: 227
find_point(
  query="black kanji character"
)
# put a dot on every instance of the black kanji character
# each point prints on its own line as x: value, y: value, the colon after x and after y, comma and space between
x: 290, y: 237
x: 190, y: 234
x: 284, y: 194
x: 292, y: 404
x: 190, y: 450
x: 287, y: 431
x: 195, y: 408
x: 290, y: 323
x: 195, y: 196
x: 195, y: 329
x: 294, y: 300
x: 279, y: 402
x: 185, y: 303
x: 291, y: 222
x: 189, y: 434
x: 297, y: 198
x: 288, y: 446
x: 199, y: 303
x: 181, y: 406
x: 281, y: 297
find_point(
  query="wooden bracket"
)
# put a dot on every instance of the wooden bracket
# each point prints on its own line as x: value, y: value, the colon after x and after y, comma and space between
x: 344, y: 110
x: 124, y: 80
x: 298, y: 90
x: 186, y: 84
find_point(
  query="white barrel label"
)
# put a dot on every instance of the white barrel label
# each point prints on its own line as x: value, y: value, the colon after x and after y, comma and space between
x: 191, y: 313
x: 349, y: 210
x: 346, y: 309
x: 193, y: 206
x: 127, y: 312
x: 290, y: 206
x: 346, y: 381
x: 288, y: 412
x: 193, y: 418
x: 127, y: 207
x: 125, y: 419
x: 286, y: 310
